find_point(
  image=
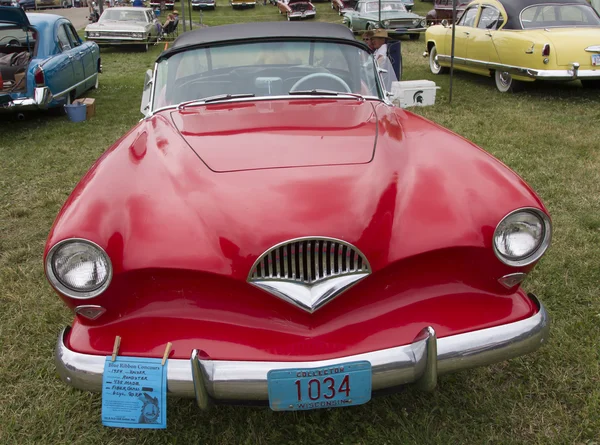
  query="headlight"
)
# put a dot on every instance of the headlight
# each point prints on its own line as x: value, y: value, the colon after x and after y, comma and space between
x: 522, y: 237
x: 94, y: 34
x: 78, y: 268
x: 376, y: 25
x: 386, y: 23
x: 416, y: 22
x: 422, y: 23
x: 138, y: 35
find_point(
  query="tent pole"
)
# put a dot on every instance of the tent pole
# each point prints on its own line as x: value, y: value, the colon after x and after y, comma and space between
x: 452, y: 51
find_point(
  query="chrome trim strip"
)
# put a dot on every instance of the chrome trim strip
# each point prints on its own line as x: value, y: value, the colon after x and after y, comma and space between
x: 571, y: 74
x: 62, y: 93
x: 243, y: 381
x: 101, y: 40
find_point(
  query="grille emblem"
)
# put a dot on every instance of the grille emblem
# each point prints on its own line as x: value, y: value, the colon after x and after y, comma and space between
x: 309, y: 272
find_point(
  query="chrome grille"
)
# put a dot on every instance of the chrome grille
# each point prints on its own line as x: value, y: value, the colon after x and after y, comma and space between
x: 116, y: 34
x: 402, y: 23
x: 309, y: 260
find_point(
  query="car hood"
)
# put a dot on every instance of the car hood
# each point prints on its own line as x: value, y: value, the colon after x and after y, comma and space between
x: 277, y: 134
x: 570, y: 43
x: 116, y: 26
x: 12, y: 15
x: 152, y: 205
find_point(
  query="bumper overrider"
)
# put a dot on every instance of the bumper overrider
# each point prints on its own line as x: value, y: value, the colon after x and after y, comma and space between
x: 246, y: 381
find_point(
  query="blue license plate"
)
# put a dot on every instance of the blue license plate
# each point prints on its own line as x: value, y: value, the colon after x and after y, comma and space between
x: 343, y: 384
x: 595, y: 59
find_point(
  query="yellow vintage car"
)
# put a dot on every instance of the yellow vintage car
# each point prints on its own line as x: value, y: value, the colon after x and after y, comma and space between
x: 519, y: 41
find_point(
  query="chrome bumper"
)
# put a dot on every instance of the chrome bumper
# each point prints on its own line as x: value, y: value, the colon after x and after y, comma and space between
x: 40, y: 101
x: 419, y: 362
x: 573, y: 73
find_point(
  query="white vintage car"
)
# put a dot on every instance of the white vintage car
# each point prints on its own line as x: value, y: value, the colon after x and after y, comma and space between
x: 125, y: 26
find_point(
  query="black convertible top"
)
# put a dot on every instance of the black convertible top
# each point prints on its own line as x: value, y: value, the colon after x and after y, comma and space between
x: 261, y: 31
x: 514, y: 8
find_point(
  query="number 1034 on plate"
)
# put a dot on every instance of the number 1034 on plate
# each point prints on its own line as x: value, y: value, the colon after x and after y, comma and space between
x: 335, y: 386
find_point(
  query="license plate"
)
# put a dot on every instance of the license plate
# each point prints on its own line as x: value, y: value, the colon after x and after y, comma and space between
x: 340, y: 385
x: 595, y: 59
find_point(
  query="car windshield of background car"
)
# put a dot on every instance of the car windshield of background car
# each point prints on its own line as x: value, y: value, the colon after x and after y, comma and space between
x: 386, y: 6
x: 552, y: 16
x: 124, y: 16
x: 264, y: 69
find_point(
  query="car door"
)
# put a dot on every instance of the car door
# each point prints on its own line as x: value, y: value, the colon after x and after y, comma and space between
x: 74, y: 54
x: 151, y: 26
x: 355, y: 16
x: 480, y: 46
x: 86, y: 57
x: 58, y: 69
x: 464, y: 28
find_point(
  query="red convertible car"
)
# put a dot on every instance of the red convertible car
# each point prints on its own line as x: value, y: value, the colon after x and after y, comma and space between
x: 295, y: 237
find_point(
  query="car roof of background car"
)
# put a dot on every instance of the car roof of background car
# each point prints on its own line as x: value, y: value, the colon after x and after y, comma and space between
x: 261, y: 32
x: 514, y: 7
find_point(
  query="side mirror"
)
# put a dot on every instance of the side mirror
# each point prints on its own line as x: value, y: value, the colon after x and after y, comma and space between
x: 444, y: 23
x: 145, y: 107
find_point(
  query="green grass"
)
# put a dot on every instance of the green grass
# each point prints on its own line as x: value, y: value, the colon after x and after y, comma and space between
x: 549, y: 134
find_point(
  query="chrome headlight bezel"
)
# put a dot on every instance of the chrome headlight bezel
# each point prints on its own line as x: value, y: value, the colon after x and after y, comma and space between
x: 541, y: 247
x: 63, y: 288
x: 386, y: 23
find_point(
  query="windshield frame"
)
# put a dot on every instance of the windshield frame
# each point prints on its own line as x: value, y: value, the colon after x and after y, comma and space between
x: 558, y: 5
x: 382, y: 97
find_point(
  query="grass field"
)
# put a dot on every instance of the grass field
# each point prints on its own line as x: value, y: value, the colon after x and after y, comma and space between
x: 549, y: 134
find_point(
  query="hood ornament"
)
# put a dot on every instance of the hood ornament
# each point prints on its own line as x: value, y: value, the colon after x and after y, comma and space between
x: 309, y: 272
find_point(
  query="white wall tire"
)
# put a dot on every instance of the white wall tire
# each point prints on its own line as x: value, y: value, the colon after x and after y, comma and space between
x: 434, y: 65
x: 505, y: 83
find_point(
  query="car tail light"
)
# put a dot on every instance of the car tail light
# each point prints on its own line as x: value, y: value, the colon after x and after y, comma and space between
x: 546, y: 50
x: 38, y: 75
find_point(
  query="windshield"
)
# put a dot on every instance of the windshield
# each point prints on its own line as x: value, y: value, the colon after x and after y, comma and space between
x: 385, y: 6
x: 264, y: 69
x: 123, y: 15
x: 550, y: 16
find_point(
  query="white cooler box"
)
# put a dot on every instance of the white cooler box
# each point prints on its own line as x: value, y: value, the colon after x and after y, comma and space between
x: 413, y: 93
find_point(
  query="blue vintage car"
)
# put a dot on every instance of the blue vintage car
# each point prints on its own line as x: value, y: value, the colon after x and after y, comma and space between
x: 43, y: 62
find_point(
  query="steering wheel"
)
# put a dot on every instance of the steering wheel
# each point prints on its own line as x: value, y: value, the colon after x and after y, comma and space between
x: 310, y: 77
x: 13, y: 42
